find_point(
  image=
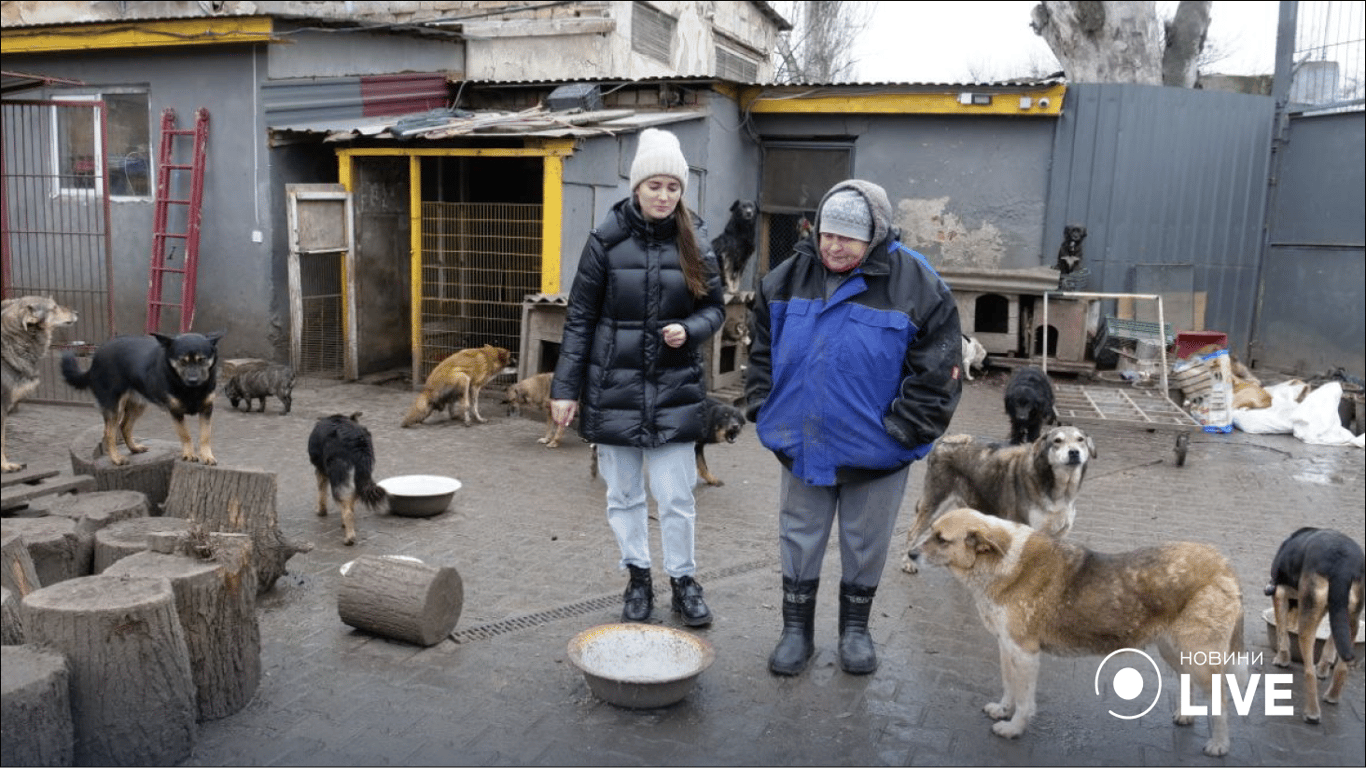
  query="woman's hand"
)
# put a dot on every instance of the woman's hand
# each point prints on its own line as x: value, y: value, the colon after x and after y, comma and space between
x: 562, y: 411
x: 675, y: 334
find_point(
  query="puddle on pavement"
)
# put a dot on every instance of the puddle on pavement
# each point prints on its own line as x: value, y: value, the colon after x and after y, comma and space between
x: 1323, y: 473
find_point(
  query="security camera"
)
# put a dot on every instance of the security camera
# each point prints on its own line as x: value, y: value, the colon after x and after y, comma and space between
x: 1043, y: 103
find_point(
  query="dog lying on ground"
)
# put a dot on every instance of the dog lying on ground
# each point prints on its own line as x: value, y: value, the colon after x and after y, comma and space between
x: 258, y: 383
x: 974, y: 356
x: 26, y: 326
x: 1035, y: 592
x: 724, y: 423
x: 735, y: 244
x: 458, y: 379
x: 343, y: 458
x: 1070, y: 252
x: 534, y: 392
x: 1029, y: 404
x: 177, y: 373
x: 1035, y: 484
x: 1317, y: 572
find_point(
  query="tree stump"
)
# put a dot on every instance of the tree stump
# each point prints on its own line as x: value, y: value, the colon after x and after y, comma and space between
x: 401, y: 599
x: 132, y: 694
x: 129, y: 537
x: 148, y: 472
x: 227, y: 500
x: 94, y: 511
x: 17, y: 573
x: 11, y: 622
x: 36, y: 727
x: 215, y: 598
x: 53, y: 544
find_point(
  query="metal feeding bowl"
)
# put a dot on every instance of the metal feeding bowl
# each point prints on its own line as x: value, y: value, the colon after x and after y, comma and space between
x: 640, y: 666
x: 419, y: 495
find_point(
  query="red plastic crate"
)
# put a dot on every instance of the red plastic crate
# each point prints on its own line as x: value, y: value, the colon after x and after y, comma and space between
x: 1189, y: 342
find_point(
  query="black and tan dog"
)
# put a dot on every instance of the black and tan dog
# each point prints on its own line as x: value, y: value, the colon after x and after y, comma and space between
x: 26, y: 325
x: 1038, y: 593
x: 534, y: 392
x: 1029, y: 404
x: 177, y: 373
x: 343, y: 458
x: 458, y: 380
x: 1317, y: 572
x: 724, y: 423
x: 1034, y: 484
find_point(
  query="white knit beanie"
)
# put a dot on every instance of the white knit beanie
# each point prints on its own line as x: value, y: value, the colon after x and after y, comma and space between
x: 847, y: 213
x: 658, y: 153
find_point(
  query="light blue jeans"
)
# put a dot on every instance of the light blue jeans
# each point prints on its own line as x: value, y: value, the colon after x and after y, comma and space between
x: 672, y: 471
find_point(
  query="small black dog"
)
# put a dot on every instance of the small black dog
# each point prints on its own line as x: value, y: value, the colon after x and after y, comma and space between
x: 724, y: 424
x: 734, y: 246
x: 258, y: 383
x: 176, y: 373
x: 343, y: 458
x: 1069, y: 253
x: 1318, y: 571
x: 1029, y: 404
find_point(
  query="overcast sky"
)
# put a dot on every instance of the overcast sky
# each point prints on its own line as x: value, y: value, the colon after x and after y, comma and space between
x: 946, y: 42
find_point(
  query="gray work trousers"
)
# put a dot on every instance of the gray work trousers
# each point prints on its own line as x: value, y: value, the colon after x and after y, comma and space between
x: 867, y: 513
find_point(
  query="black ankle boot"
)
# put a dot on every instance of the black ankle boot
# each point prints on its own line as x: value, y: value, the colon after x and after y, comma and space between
x: 688, y: 601
x: 640, y: 595
x: 797, y: 643
x: 857, y: 656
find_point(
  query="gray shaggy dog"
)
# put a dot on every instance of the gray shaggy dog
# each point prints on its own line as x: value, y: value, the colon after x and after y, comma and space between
x: 260, y: 383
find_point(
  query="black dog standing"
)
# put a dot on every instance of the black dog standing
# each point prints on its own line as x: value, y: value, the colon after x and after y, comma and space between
x: 1029, y: 404
x: 343, y: 458
x: 735, y: 244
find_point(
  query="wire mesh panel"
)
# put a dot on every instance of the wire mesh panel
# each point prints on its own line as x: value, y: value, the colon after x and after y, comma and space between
x: 1329, y: 58
x: 479, y: 261
x: 56, y: 239
x: 321, y: 350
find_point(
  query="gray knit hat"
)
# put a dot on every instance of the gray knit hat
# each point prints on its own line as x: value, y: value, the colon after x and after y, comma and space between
x: 658, y: 153
x: 846, y: 213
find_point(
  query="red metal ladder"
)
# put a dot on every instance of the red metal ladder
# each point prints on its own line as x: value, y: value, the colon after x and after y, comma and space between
x: 163, y: 250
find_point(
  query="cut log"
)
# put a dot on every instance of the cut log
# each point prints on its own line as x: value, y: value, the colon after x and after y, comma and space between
x: 94, y: 511
x: 401, y: 599
x: 17, y: 573
x: 215, y: 597
x: 36, y: 727
x: 11, y: 621
x: 128, y: 537
x: 219, y: 499
x: 132, y: 694
x: 148, y: 472
x: 53, y: 544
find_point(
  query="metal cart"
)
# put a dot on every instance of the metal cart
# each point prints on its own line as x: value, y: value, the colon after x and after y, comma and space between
x: 1130, y: 406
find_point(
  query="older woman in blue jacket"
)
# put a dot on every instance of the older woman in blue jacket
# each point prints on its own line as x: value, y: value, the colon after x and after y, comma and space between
x: 853, y: 374
x: 646, y: 297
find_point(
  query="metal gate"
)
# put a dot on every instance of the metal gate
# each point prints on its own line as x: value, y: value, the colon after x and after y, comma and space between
x: 56, y: 239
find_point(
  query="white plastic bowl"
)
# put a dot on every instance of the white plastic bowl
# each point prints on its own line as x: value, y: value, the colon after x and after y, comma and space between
x: 419, y: 495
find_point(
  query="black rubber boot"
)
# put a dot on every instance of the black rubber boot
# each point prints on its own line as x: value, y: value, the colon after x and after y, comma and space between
x: 688, y: 601
x: 857, y: 656
x: 797, y: 643
x: 640, y: 595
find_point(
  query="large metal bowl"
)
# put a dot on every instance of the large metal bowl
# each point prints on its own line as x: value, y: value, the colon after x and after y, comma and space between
x: 419, y: 495
x: 640, y: 666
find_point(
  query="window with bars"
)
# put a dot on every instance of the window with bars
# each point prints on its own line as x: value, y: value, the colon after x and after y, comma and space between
x: 652, y: 32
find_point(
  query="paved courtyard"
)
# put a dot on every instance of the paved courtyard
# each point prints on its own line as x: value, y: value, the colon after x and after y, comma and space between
x: 528, y: 535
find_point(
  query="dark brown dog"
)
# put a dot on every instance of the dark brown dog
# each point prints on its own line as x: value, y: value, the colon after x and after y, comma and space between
x: 534, y: 392
x: 27, y: 324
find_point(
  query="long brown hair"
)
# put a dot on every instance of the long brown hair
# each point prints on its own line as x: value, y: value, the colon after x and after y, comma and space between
x: 689, y: 253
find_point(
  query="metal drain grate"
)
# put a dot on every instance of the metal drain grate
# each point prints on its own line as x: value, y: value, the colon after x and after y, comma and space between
x: 591, y: 605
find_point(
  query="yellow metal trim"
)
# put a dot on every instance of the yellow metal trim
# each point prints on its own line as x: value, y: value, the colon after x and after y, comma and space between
x: 552, y: 213
x: 554, y: 148
x: 1003, y: 102
x: 415, y: 259
x: 138, y: 34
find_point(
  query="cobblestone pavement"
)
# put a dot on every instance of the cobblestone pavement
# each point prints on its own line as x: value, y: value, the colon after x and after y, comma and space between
x: 528, y: 535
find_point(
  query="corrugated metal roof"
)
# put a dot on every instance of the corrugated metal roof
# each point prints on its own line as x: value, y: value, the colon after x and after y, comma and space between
x: 14, y: 82
x: 447, y: 124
